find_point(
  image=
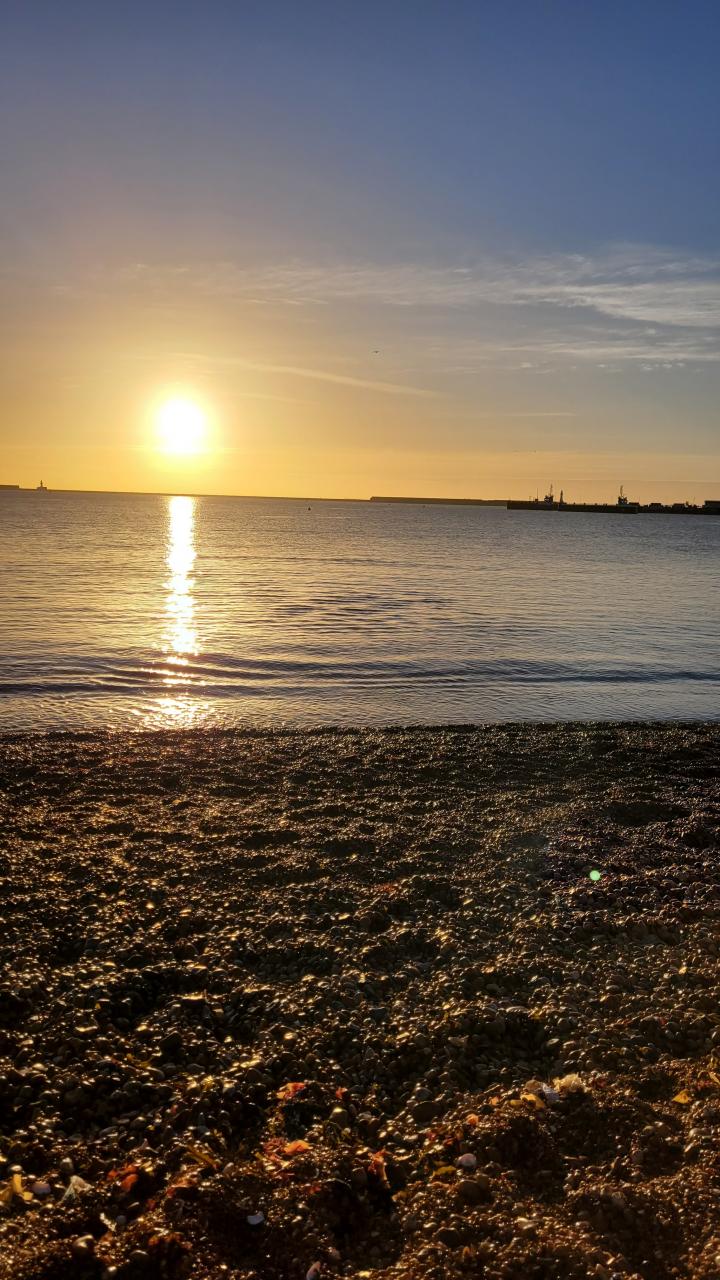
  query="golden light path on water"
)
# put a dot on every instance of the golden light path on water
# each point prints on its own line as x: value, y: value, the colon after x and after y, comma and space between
x: 180, y: 637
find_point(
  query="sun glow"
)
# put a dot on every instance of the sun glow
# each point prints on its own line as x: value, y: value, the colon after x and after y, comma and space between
x: 181, y: 427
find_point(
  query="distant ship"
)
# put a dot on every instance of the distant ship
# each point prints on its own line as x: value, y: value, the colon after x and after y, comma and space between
x: 42, y: 488
x: 623, y: 506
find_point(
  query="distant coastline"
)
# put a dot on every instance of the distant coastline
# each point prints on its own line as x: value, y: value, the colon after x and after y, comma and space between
x: 711, y: 506
x: 173, y: 493
x: 445, y: 502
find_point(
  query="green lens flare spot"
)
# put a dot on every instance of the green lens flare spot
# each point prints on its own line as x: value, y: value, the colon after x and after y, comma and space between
x: 596, y: 875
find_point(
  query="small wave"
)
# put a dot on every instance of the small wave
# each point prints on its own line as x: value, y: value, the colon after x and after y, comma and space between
x: 224, y: 676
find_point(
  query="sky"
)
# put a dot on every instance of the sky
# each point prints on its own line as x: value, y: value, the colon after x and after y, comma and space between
x: 458, y: 247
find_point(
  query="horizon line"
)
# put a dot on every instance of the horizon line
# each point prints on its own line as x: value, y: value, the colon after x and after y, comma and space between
x: 280, y: 497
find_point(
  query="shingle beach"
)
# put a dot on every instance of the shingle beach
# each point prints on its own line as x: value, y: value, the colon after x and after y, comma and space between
x: 399, y: 1003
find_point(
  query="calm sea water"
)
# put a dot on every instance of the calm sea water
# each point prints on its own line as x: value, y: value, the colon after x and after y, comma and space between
x: 148, y: 611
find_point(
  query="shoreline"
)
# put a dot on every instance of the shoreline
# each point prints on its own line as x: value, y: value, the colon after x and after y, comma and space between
x: 361, y: 983
x: 169, y: 736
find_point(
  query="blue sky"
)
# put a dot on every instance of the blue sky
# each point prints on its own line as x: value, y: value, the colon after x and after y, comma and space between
x: 431, y: 240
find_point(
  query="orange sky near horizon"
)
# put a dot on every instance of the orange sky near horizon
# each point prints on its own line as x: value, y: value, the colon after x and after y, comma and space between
x: 320, y: 413
x: 385, y: 251
x: 352, y: 382
x: 358, y: 475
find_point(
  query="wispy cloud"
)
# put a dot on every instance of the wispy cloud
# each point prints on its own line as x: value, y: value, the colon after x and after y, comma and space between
x: 317, y: 375
x: 685, y: 302
x: 642, y: 283
x: 584, y: 345
x: 529, y: 413
x: 633, y: 304
x: 646, y: 285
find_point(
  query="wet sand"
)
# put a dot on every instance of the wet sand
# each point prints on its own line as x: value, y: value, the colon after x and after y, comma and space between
x: 411, y: 1003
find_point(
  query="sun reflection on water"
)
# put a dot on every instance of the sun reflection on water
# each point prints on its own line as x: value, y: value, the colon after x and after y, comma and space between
x: 184, y: 711
x: 180, y: 638
x: 180, y: 707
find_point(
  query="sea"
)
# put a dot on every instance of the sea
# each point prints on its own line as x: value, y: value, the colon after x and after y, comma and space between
x: 141, y: 611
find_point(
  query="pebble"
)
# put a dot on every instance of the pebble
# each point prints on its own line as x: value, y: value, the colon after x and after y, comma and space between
x: 466, y: 1161
x: 526, y: 1226
x: 473, y: 1190
x: 424, y: 1112
x: 83, y: 1247
x: 449, y: 1236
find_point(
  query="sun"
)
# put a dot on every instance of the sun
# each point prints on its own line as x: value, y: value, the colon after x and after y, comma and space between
x: 181, y: 426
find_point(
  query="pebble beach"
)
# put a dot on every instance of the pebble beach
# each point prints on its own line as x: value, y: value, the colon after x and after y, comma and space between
x: 399, y: 1003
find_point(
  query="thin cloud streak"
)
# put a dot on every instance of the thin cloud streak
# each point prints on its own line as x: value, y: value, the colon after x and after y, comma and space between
x: 318, y: 375
x: 546, y: 350
x: 531, y: 413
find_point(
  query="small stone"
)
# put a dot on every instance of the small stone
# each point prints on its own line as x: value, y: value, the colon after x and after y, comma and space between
x: 171, y: 1044
x: 83, y: 1247
x: 525, y: 1226
x: 449, y: 1236
x: 474, y: 1190
x: 424, y: 1112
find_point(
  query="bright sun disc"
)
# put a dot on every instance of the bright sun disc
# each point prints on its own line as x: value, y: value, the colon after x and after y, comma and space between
x: 181, y: 426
